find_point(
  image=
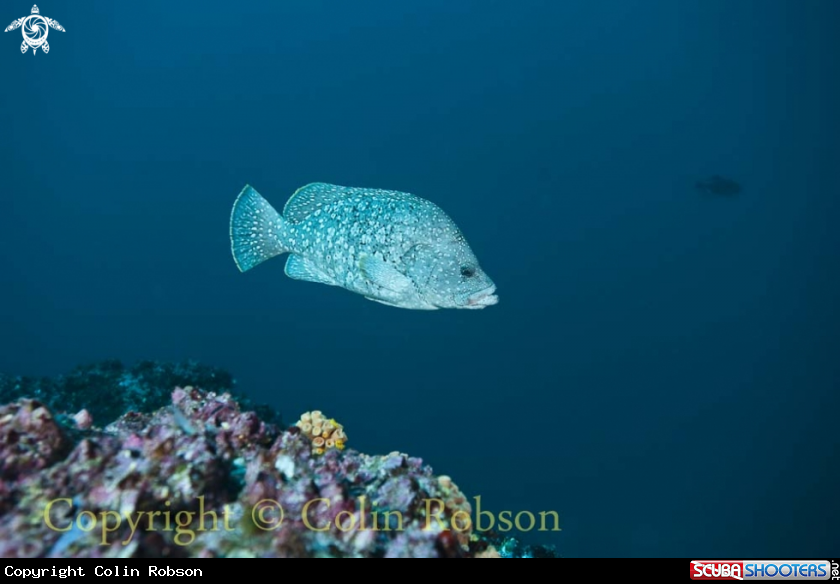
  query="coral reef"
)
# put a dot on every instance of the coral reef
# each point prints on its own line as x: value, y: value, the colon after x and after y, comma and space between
x: 30, y: 439
x: 325, y: 434
x: 143, y: 387
x: 202, y: 476
x: 458, y: 508
x: 510, y: 547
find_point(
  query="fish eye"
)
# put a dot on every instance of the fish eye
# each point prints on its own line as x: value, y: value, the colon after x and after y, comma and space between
x: 467, y: 271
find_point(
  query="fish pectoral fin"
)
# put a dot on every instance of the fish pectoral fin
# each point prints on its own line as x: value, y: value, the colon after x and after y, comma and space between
x: 383, y: 274
x: 300, y: 268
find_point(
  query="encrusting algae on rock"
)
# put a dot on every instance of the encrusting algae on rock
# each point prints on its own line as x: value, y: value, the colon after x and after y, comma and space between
x: 458, y: 508
x: 325, y: 434
x: 200, y: 477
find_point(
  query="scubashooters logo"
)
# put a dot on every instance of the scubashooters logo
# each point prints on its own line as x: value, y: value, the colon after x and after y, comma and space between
x: 35, y: 29
x: 790, y: 570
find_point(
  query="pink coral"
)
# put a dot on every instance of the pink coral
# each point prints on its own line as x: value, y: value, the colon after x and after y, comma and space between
x: 30, y: 440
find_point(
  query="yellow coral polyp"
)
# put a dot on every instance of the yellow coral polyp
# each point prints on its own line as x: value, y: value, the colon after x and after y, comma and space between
x: 325, y: 434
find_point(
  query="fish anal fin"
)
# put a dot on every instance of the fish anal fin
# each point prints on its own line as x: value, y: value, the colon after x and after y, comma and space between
x: 415, y: 307
x: 300, y: 268
x: 385, y: 302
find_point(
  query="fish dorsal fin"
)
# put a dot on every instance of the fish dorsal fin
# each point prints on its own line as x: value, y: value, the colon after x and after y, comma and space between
x: 309, y: 198
x: 383, y: 274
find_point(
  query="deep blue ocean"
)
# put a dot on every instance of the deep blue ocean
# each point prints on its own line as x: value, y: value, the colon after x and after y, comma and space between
x: 663, y: 366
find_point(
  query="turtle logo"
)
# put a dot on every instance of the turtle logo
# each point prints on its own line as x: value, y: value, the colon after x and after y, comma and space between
x: 35, y: 29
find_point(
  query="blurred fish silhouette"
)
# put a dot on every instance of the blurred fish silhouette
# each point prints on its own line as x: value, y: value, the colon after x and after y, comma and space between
x: 718, y: 185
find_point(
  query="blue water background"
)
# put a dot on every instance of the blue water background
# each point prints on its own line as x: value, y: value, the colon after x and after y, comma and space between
x: 662, y: 368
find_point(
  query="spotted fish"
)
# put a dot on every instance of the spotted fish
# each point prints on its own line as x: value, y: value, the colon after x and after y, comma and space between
x: 391, y: 247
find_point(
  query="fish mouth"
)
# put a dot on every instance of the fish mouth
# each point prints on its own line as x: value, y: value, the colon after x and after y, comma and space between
x: 483, y: 298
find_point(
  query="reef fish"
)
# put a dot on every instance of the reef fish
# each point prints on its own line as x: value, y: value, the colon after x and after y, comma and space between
x: 391, y: 247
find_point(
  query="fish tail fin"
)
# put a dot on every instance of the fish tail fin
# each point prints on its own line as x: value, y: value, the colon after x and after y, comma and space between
x: 255, y: 230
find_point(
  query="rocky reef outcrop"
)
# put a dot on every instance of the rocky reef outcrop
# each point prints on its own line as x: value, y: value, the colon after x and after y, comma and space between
x: 192, y: 471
